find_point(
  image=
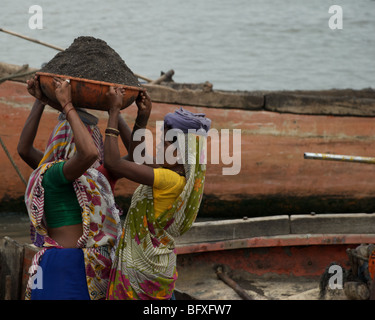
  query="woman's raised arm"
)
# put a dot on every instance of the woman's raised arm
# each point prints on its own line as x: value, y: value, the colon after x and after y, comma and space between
x: 87, y: 152
x: 25, y: 148
x: 120, y: 167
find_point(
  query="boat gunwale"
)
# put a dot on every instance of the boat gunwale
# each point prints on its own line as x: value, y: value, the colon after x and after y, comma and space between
x: 277, y: 241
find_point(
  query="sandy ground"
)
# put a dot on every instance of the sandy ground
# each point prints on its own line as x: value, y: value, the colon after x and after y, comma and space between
x: 202, y: 283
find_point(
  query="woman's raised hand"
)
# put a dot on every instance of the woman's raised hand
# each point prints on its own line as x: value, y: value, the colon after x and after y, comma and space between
x: 115, y: 98
x: 144, y: 104
x: 33, y: 87
x: 63, y: 91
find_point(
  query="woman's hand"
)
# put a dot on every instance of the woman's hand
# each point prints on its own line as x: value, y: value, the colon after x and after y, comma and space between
x: 33, y: 87
x: 144, y: 104
x: 63, y: 91
x: 115, y: 98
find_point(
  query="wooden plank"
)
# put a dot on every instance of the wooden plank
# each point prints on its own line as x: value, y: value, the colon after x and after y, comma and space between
x: 213, y: 99
x: 230, y: 282
x: 11, y: 261
x: 221, y: 230
x: 29, y: 252
x: 329, y: 102
x: 347, y: 223
x: 290, y: 240
x: 165, y: 77
x: 305, y: 261
x: 315, y: 104
x: 8, y: 290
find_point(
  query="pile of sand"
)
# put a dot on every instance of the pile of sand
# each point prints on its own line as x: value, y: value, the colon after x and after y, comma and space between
x: 93, y: 59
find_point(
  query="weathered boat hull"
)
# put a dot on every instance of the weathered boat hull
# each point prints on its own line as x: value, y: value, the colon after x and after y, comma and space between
x: 274, y: 177
x: 267, y: 257
x: 271, y: 258
x: 280, y: 269
x: 287, y: 254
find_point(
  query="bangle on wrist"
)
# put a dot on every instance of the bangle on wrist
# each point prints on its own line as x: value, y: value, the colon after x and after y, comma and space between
x: 66, y: 104
x: 67, y: 112
x: 112, y: 131
x: 111, y: 135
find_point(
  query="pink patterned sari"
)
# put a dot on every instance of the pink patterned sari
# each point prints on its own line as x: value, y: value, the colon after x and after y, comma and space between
x: 100, y: 217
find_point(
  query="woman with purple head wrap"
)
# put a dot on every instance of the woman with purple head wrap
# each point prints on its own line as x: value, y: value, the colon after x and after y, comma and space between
x: 184, y: 120
x: 163, y: 207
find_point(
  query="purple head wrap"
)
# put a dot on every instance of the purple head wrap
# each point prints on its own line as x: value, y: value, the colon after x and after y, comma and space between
x: 185, y: 120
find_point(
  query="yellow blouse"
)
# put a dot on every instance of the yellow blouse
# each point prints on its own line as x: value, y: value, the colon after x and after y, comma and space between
x: 167, y: 187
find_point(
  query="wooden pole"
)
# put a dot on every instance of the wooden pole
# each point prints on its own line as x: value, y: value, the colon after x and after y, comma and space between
x: 234, y: 285
x: 11, y: 258
x: 143, y: 77
x: 338, y: 157
x: 12, y: 161
x: 8, y: 287
x: 54, y: 47
x: 165, y: 76
x: 31, y: 39
x: 17, y: 75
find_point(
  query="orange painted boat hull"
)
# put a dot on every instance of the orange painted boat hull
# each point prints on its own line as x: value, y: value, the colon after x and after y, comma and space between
x: 274, y: 178
x: 294, y: 255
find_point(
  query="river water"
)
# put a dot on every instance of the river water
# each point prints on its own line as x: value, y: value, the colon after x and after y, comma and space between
x: 234, y: 44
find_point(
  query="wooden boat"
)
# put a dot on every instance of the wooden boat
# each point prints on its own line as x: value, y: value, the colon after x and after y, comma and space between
x: 279, y: 242
x: 279, y: 257
x: 277, y: 128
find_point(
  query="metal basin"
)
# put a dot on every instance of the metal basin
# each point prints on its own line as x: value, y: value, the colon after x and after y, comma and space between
x: 89, y: 94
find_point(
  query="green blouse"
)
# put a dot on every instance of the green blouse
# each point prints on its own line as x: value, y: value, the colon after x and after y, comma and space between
x: 61, y: 207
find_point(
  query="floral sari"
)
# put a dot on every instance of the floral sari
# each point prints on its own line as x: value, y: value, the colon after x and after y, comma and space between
x: 100, y: 217
x: 144, y: 261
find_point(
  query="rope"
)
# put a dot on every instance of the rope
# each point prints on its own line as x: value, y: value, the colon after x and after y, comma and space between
x: 17, y: 75
x: 13, y: 163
